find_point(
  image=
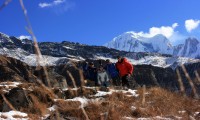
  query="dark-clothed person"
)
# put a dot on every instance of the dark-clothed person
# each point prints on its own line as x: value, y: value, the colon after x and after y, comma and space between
x: 112, y: 72
x: 85, y: 70
x: 92, y: 73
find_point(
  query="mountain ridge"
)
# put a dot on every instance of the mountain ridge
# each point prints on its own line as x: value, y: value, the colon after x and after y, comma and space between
x: 132, y: 42
x: 55, y: 53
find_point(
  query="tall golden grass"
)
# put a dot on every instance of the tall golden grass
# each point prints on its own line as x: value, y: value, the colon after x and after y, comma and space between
x: 182, y: 89
x: 190, y: 82
x: 8, y: 103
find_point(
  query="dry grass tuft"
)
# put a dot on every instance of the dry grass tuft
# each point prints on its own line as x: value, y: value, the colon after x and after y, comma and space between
x: 93, y: 111
x: 114, y: 107
x: 18, y: 116
x: 34, y: 116
x: 70, y: 94
x: 37, y: 107
x: 86, y: 92
x: 44, y: 95
x: 62, y: 104
x: 69, y: 108
x: 161, y: 102
x: 26, y: 85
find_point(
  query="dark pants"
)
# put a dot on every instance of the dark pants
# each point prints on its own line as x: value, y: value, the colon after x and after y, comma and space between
x: 116, y: 81
x: 128, y: 81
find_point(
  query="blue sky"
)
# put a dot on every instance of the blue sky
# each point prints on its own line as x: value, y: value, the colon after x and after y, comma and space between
x: 96, y: 22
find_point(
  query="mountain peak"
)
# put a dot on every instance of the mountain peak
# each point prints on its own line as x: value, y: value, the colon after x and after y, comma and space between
x: 192, y: 39
x: 161, y: 36
x: 136, y: 42
x: 3, y: 35
x: 191, y: 48
x: 5, y: 38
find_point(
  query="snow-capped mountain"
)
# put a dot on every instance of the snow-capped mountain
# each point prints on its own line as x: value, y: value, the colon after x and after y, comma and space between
x: 133, y: 42
x: 161, y: 44
x: 55, y: 53
x: 4, y: 38
x: 191, y: 48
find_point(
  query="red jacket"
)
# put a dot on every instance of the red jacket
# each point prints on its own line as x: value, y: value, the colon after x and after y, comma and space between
x: 124, y: 67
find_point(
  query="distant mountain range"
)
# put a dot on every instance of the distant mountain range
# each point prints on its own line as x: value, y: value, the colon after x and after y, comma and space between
x: 56, y: 53
x: 133, y: 42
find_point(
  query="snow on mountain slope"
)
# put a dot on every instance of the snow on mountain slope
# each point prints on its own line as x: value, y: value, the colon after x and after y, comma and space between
x: 164, y: 62
x: 153, y: 59
x: 61, y: 53
x: 158, y: 61
x: 136, y: 42
x: 132, y: 42
x: 128, y: 42
x: 161, y: 44
x: 4, y: 38
x: 31, y: 60
x: 191, y: 48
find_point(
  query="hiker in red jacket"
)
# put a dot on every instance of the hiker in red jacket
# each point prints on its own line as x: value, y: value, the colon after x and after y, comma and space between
x: 125, y: 69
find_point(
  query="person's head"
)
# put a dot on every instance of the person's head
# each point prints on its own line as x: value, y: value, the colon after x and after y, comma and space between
x: 91, y: 64
x: 119, y: 58
x: 108, y: 61
x: 85, y: 62
x: 101, y: 67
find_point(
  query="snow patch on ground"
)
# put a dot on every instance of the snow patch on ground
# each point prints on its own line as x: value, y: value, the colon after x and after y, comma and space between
x: 196, y: 113
x: 103, y: 93
x: 7, y: 86
x: 13, y: 115
x: 82, y: 100
x: 10, y: 84
x: 53, y: 108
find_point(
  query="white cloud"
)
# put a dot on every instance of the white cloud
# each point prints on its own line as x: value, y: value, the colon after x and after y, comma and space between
x: 58, y: 6
x: 191, y: 24
x: 43, y: 5
x: 51, y: 4
x: 167, y: 31
x: 24, y: 37
x: 175, y: 25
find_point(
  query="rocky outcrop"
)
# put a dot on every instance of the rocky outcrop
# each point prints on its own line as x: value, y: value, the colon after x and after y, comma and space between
x: 15, y: 70
x: 17, y: 97
x: 166, y: 77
